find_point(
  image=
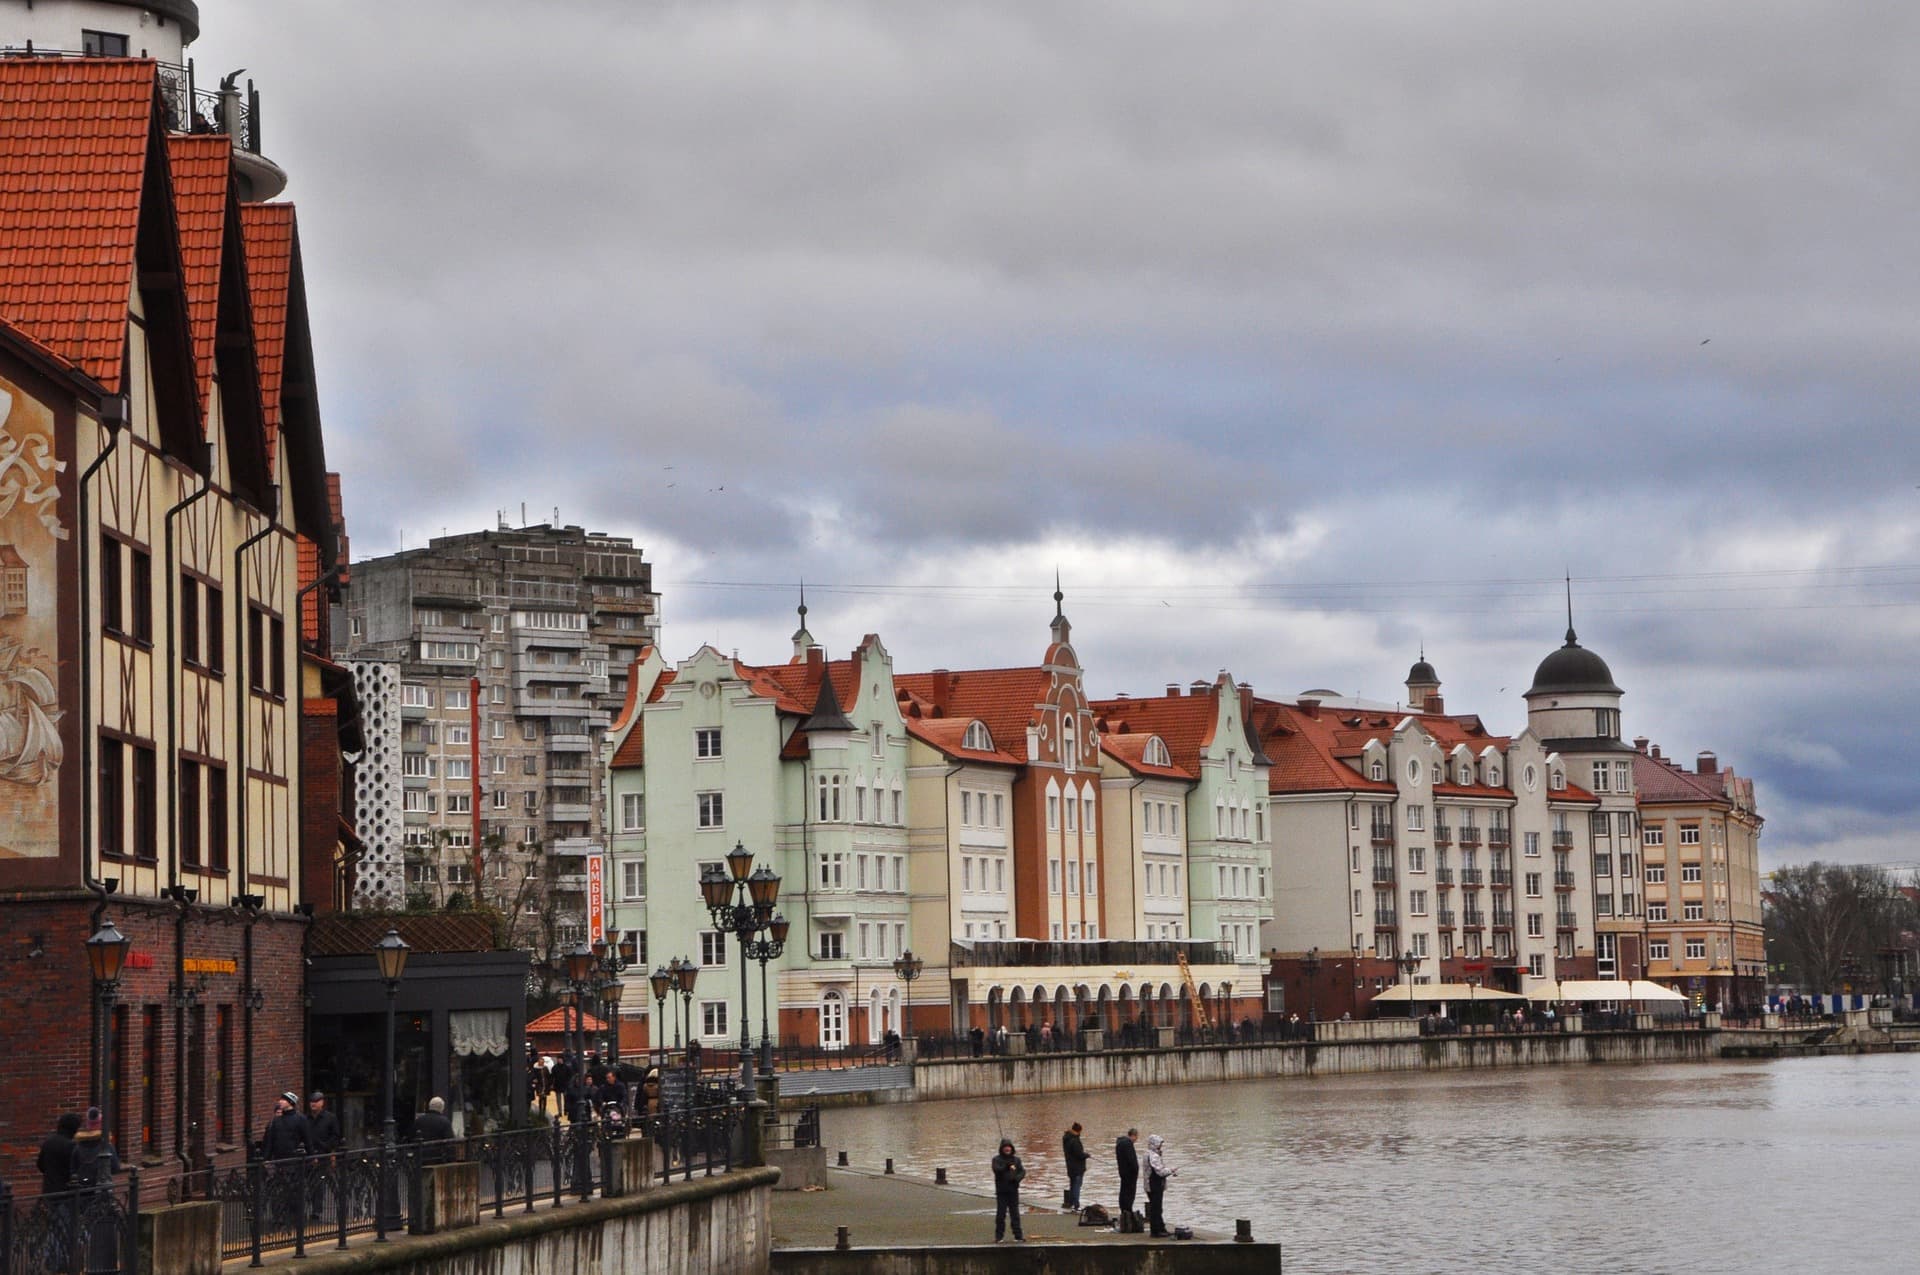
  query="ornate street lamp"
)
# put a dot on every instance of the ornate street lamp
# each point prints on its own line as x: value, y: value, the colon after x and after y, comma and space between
x: 106, y: 956
x: 740, y: 902
x: 660, y: 982
x: 1408, y: 963
x: 612, y: 994
x: 1310, y: 966
x: 764, y: 950
x: 906, y: 968
x: 579, y: 966
x: 683, y: 979
x: 390, y: 955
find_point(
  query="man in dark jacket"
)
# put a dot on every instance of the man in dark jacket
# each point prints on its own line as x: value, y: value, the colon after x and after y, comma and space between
x: 1075, y: 1153
x: 432, y: 1127
x: 287, y: 1133
x: 1127, y: 1158
x: 1007, y: 1173
x: 323, y: 1127
x: 56, y: 1155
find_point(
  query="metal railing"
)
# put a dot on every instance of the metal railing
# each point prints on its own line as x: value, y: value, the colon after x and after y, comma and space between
x: 1469, y: 836
x: 1385, y: 916
x: 793, y: 1128
x: 190, y: 109
x: 90, y: 1229
x: 1563, y: 841
x: 1470, y: 876
x: 1473, y: 918
x: 1383, y: 873
x: 1443, y: 876
x: 1563, y: 880
x: 1503, y: 877
x: 1442, y: 835
x: 1446, y: 918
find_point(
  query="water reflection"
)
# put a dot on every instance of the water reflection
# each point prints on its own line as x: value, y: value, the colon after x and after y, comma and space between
x: 1688, y: 1167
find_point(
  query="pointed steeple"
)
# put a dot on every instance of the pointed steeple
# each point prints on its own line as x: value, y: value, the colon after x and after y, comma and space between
x: 1062, y: 631
x: 826, y: 709
x: 802, y: 640
x: 1571, y: 640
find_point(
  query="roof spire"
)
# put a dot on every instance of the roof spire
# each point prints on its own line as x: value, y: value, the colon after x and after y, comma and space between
x: 1058, y: 597
x: 1571, y: 641
x: 802, y: 640
x: 803, y: 603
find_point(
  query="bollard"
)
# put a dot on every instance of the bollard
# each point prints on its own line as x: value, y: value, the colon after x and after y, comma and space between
x: 940, y: 1176
x: 842, y: 1238
x: 843, y: 1159
x: 1243, y: 1230
x: 889, y: 1164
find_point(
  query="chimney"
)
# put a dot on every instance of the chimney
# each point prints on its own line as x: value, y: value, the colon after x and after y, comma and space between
x: 816, y: 657
x: 1656, y: 752
x: 1706, y: 763
x: 1120, y: 695
x: 1311, y: 707
x: 1246, y: 700
x: 1432, y: 702
x: 1640, y: 744
x: 1173, y: 690
x: 1201, y: 686
x: 942, y: 687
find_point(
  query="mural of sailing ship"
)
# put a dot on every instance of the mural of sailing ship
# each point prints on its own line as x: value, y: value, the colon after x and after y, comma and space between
x: 30, y: 748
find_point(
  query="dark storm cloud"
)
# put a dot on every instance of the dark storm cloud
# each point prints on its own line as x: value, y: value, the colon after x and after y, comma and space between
x: 1243, y: 296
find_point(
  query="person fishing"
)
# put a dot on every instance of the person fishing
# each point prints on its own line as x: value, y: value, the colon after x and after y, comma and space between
x: 1007, y: 1173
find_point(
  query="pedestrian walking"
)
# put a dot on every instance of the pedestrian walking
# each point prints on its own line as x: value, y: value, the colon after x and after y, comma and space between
x: 434, y: 1131
x: 1075, y: 1153
x: 1126, y: 1158
x: 287, y: 1134
x: 1158, y: 1171
x: 56, y: 1155
x: 1007, y: 1173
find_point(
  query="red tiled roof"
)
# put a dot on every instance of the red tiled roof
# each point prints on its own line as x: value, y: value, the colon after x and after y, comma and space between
x: 73, y: 163
x: 633, y: 748
x: 948, y: 734
x: 1003, y: 698
x: 1185, y: 723
x: 1657, y: 782
x: 1300, y: 748
x: 1131, y: 751
x: 269, y: 232
x: 555, y: 1021
x: 201, y: 179
x: 311, y: 603
x: 794, y: 687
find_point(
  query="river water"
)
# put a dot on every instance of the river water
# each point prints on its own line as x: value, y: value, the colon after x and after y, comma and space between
x: 1800, y: 1165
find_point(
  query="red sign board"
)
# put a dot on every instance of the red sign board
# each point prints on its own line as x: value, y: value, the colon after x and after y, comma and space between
x: 139, y: 960
x: 1475, y: 967
x: 596, y: 898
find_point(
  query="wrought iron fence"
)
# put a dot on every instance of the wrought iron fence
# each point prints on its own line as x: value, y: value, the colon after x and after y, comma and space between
x: 91, y: 1230
x: 794, y: 1128
x: 190, y: 109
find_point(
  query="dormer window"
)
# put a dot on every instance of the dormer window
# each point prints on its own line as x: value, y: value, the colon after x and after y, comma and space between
x: 1157, y: 752
x: 977, y: 738
x: 1558, y: 781
x: 1466, y: 774
x: 1377, y: 771
x: 1493, y: 777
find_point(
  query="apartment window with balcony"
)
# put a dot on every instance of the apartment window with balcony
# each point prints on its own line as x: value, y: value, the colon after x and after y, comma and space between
x: 712, y: 809
x: 706, y: 743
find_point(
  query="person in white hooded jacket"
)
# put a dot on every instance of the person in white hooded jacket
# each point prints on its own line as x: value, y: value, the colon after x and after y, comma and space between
x: 1158, y: 1171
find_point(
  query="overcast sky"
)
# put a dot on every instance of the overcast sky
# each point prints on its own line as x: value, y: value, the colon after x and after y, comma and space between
x: 1295, y: 336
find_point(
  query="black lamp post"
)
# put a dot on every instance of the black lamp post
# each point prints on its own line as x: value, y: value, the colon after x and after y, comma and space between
x: 1310, y: 966
x: 612, y: 994
x: 740, y: 902
x: 390, y: 954
x: 764, y: 950
x: 683, y: 979
x: 906, y: 968
x: 579, y: 962
x: 106, y: 955
x: 1408, y: 963
x: 659, y: 983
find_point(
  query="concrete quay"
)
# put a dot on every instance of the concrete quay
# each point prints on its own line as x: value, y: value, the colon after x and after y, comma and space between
x: 905, y: 1226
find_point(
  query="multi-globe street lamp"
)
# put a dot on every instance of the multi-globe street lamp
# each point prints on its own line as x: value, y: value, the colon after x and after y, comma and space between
x: 684, y: 974
x: 740, y: 901
x: 579, y: 962
x: 660, y: 983
x: 764, y: 950
x: 1310, y: 966
x: 1408, y: 963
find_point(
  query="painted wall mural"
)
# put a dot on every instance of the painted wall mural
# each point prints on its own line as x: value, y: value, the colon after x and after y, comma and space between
x: 30, y: 529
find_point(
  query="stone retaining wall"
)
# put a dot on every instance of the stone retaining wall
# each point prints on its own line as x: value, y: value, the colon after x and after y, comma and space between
x: 1193, y: 1258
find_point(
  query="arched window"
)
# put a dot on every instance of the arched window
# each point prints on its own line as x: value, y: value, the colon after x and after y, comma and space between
x: 978, y: 739
x: 1069, y: 738
x: 1378, y: 770
x: 1157, y: 752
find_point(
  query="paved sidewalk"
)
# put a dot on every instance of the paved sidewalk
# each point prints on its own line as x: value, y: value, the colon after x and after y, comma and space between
x: 887, y: 1212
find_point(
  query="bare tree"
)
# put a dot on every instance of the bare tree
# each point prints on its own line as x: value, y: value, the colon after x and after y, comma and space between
x: 1828, y: 923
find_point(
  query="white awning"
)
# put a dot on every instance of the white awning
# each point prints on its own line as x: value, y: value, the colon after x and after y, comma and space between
x: 1401, y: 993
x: 1605, y: 989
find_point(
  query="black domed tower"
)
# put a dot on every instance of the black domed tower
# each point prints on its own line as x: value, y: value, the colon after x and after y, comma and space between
x: 1423, y: 686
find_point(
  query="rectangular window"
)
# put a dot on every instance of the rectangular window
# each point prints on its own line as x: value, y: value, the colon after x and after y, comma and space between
x: 500, y: 796
x: 633, y: 879
x: 1536, y: 924
x: 1658, y: 950
x: 1654, y: 834
x: 1694, y: 912
x: 713, y: 948
x: 1532, y: 844
x: 1053, y: 812
x: 459, y: 768
x: 1416, y: 859
x: 459, y: 803
x: 1689, y: 873
x: 633, y: 812
x: 1689, y: 834
x: 189, y: 619
x: 1416, y: 818
x: 1536, y: 964
x: 113, y: 798
x: 1603, y: 904
x: 1417, y: 902
x: 966, y: 809
x: 1533, y: 885
x: 412, y: 694
x: 1696, y: 949
x: 461, y: 698
x: 1093, y: 879
x: 112, y: 593
x: 1600, y: 779
x: 712, y: 809
x: 217, y: 818
x: 187, y: 800
x: 146, y: 805
x: 141, y: 579
x: 1072, y: 808
x: 1053, y: 876
x: 865, y: 947
x: 832, y: 946
x: 1656, y: 911
x: 1623, y: 782
x: 713, y: 1018
x: 860, y: 873
x: 706, y: 742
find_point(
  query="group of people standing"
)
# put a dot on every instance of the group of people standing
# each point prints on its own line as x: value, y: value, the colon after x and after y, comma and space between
x: 1009, y: 1172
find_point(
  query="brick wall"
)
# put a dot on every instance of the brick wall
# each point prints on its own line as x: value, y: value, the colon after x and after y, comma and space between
x: 45, y: 1001
x: 320, y: 808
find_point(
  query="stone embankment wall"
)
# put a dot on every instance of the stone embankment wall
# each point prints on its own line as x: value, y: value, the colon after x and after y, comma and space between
x: 1194, y: 1258
x: 1119, y: 1069
x: 721, y: 1225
